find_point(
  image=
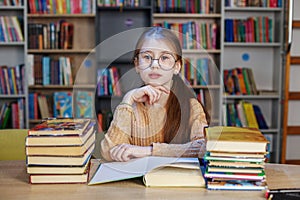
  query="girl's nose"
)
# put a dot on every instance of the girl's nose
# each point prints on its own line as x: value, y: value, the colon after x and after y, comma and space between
x: 155, y: 63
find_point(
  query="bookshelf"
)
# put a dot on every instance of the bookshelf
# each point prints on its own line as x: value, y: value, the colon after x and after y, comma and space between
x: 118, y: 28
x: 263, y: 55
x: 13, y: 49
x: 61, y: 54
x: 202, y: 53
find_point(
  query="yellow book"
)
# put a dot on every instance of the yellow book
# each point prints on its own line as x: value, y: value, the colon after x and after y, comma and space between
x: 235, y: 139
x: 250, y: 115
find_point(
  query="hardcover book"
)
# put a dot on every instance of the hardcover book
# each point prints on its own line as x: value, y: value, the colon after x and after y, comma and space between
x: 84, y: 104
x: 235, y: 139
x: 65, y: 126
x: 61, y: 140
x: 63, y: 104
x: 67, y: 150
x: 58, y: 178
x: 52, y: 169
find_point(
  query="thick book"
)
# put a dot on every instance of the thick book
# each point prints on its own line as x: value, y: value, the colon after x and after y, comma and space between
x: 58, y: 178
x: 235, y: 185
x: 61, y: 140
x: 61, y: 160
x: 156, y: 172
x: 66, y: 150
x: 54, y: 169
x: 283, y: 181
x: 63, y: 126
x: 235, y: 139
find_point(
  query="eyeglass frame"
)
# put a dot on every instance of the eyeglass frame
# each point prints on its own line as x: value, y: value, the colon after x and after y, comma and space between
x: 152, y: 59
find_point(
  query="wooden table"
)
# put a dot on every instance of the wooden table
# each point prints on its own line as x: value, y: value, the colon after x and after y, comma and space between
x: 14, y: 185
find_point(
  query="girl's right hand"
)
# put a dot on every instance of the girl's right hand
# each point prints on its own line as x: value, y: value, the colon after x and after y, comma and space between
x: 148, y: 93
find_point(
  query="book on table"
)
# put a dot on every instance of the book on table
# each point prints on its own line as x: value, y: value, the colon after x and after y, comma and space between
x: 58, y: 169
x: 61, y: 126
x: 283, y: 181
x: 58, y: 178
x: 59, y: 150
x: 156, y: 172
x: 60, y: 160
x: 235, y: 158
x: 235, y: 139
x: 61, y: 139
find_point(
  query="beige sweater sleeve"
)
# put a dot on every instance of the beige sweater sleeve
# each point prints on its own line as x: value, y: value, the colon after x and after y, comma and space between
x: 119, y: 131
x: 198, y: 122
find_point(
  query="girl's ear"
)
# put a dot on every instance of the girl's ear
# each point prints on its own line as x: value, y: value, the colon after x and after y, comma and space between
x: 177, y: 67
x: 136, y: 65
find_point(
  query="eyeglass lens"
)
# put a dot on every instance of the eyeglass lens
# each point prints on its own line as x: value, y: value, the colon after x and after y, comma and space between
x: 166, y: 61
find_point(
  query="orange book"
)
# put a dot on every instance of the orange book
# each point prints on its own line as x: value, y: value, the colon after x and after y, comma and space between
x: 241, y: 80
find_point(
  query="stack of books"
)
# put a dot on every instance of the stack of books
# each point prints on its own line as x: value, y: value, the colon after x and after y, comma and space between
x: 59, y: 150
x: 235, y: 158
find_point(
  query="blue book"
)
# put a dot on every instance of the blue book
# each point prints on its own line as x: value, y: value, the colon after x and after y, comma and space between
x: 63, y: 104
x: 46, y: 70
x: 260, y: 118
x: 84, y: 105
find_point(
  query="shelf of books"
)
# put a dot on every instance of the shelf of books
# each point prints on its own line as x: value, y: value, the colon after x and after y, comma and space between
x: 198, y: 26
x: 13, y: 90
x: 118, y: 22
x: 61, y: 41
x: 252, y: 67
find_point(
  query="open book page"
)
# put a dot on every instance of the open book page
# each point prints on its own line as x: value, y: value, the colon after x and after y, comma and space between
x: 114, y: 171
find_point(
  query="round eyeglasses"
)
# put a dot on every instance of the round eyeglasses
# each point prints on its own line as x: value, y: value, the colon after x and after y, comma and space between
x: 166, y: 61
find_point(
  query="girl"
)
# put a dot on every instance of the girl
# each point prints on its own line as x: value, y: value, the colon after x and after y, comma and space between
x: 163, y: 117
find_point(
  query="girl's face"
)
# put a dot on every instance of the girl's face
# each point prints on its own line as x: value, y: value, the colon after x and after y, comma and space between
x: 154, y: 75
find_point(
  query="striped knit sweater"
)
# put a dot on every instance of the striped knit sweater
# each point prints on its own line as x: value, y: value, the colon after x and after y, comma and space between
x: 142, y: 126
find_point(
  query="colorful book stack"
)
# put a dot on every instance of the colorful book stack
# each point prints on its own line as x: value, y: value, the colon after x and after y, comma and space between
x: 235, y: 158
x: 59, y: 150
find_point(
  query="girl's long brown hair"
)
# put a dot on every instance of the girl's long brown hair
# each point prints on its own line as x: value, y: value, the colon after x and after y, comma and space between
x: 177, y: 128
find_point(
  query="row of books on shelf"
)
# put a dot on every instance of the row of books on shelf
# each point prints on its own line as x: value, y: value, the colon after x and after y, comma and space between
x: 252, y: 29
x: 53, y: 35
x: 104, y: 118
x: 49, y: 70
x: 61, y: 6
x: 59, y: 151
x: 60, y: 104
x: 253, y: 3
x: 180, y: 6
x: 235, y: 158
x: 119, y: 3
x: 108, y: 82
x: 199, y: 71
x: 244, y: 114
x: 12, y: 114
x: 12, y: 79
x: 239, y: 81
x: 193, y: 34
x: 10, y: 29
x: 11, y: 2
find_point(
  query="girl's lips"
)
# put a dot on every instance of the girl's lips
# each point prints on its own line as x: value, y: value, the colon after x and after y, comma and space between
x: 154, y: 76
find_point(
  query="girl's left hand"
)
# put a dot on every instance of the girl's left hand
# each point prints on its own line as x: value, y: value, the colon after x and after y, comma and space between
x: 197, y: 148
x: 125, y: 152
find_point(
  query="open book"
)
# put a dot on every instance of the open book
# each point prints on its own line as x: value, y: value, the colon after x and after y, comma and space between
x: 156, y: 172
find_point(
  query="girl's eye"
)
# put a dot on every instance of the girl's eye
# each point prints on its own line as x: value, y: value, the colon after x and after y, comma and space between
x: 147, y: 57
x: 165, y: 57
